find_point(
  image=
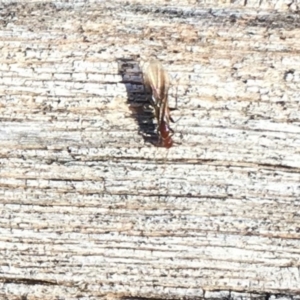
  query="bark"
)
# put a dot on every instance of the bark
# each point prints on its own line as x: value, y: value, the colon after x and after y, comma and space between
x: 92, y: 208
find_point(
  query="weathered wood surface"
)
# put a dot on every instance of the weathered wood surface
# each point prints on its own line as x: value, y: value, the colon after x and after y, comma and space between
x: 91, y: 208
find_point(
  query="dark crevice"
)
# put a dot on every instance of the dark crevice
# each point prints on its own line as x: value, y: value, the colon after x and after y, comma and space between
x: 27, y: 281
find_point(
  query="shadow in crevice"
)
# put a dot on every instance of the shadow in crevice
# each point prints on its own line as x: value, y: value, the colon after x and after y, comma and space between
x: 132, y: 77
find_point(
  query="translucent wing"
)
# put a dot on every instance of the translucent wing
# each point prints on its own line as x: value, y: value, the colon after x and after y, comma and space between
x: 157, y: 81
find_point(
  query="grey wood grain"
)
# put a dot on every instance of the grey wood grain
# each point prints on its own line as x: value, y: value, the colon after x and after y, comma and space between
x: 91, y: 207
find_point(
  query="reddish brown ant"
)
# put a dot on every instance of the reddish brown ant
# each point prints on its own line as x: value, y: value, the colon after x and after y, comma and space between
x: 157, y: 81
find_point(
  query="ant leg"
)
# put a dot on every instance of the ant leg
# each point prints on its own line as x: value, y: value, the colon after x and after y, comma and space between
x: 172, y: 120
x: 172, y: 131
x: 176, y: 101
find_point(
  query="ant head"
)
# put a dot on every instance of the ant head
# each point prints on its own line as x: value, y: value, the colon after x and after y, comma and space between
x: 165, y: 135
x: 167, y: 143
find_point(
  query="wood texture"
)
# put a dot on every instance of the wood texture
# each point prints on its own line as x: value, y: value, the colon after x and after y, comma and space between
x: 91, y: 208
